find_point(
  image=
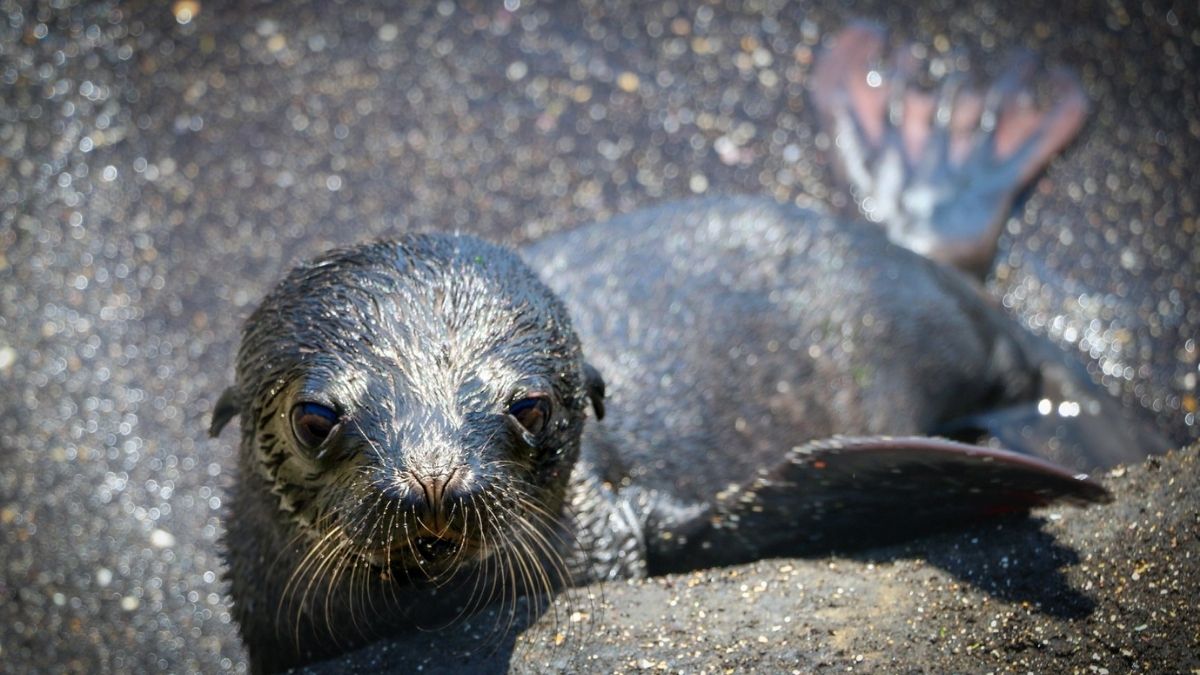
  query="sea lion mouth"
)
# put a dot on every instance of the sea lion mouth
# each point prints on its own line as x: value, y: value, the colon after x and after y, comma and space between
x: 436, y: 549
x: 430, y: 553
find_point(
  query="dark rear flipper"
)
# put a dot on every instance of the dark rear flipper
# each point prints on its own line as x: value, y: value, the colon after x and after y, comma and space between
x: 939, y: 169
x: 850, y: 493
x: 1074, y: 423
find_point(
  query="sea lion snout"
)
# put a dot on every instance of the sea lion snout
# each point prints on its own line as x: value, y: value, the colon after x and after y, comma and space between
x: 435, y: 494
x: 434, y: 487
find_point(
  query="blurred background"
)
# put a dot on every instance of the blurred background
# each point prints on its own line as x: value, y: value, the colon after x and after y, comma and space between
x: 162, y: 164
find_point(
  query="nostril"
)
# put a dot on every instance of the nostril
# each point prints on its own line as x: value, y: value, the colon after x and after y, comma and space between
x: 435, y: 488
x: 434, y: 500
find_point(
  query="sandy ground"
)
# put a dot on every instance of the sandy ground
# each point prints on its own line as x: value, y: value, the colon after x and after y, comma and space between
x: 161, y: 164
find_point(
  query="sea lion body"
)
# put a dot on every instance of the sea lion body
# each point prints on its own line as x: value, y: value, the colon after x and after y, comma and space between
x: 730, y: 332
x: 413, y: 412
x: 746, y: 326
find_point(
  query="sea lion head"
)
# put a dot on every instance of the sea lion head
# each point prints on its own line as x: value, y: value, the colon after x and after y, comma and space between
x: 415, y: 404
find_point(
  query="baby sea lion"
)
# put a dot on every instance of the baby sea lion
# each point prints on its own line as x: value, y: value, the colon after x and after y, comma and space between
x: 413, y: 414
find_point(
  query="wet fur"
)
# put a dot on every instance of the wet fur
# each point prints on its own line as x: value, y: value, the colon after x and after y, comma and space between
x: 421, y: 342
x: 731, y: 332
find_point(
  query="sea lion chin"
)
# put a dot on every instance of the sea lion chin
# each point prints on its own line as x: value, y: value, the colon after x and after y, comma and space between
x: 411, y: 410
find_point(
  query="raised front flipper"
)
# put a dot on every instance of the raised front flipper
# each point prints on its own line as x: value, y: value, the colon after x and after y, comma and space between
x: 845, y: 493
x: 939, y: 169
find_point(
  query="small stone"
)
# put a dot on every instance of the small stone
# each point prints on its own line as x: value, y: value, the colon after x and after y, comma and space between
x: 388, y: 32
x: 185, y: 11
x: 162, y: 539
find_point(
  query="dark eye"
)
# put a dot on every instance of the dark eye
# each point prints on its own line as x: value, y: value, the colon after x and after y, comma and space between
x: 312, y: 423
x: 533, y: 413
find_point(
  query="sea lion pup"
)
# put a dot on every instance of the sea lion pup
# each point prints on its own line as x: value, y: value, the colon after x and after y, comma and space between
x: 413, y: 414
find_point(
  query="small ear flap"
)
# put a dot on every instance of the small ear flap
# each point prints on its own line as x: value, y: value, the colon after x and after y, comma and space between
x: 227, y: 406
x: 595, y: 388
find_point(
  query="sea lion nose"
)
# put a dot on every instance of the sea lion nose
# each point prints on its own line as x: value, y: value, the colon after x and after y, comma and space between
x: 435, y: 488
x: 434, y: 497
x: 440, y: 541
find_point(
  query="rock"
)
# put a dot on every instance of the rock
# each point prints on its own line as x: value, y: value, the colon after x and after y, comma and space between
x: 1064, y: 590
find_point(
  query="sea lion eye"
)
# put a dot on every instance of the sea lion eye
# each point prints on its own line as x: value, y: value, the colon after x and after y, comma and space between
x: 532, y: 413
x: 312, y: 423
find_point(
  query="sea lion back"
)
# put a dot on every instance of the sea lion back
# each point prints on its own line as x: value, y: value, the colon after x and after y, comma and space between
x: 729, y: 329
